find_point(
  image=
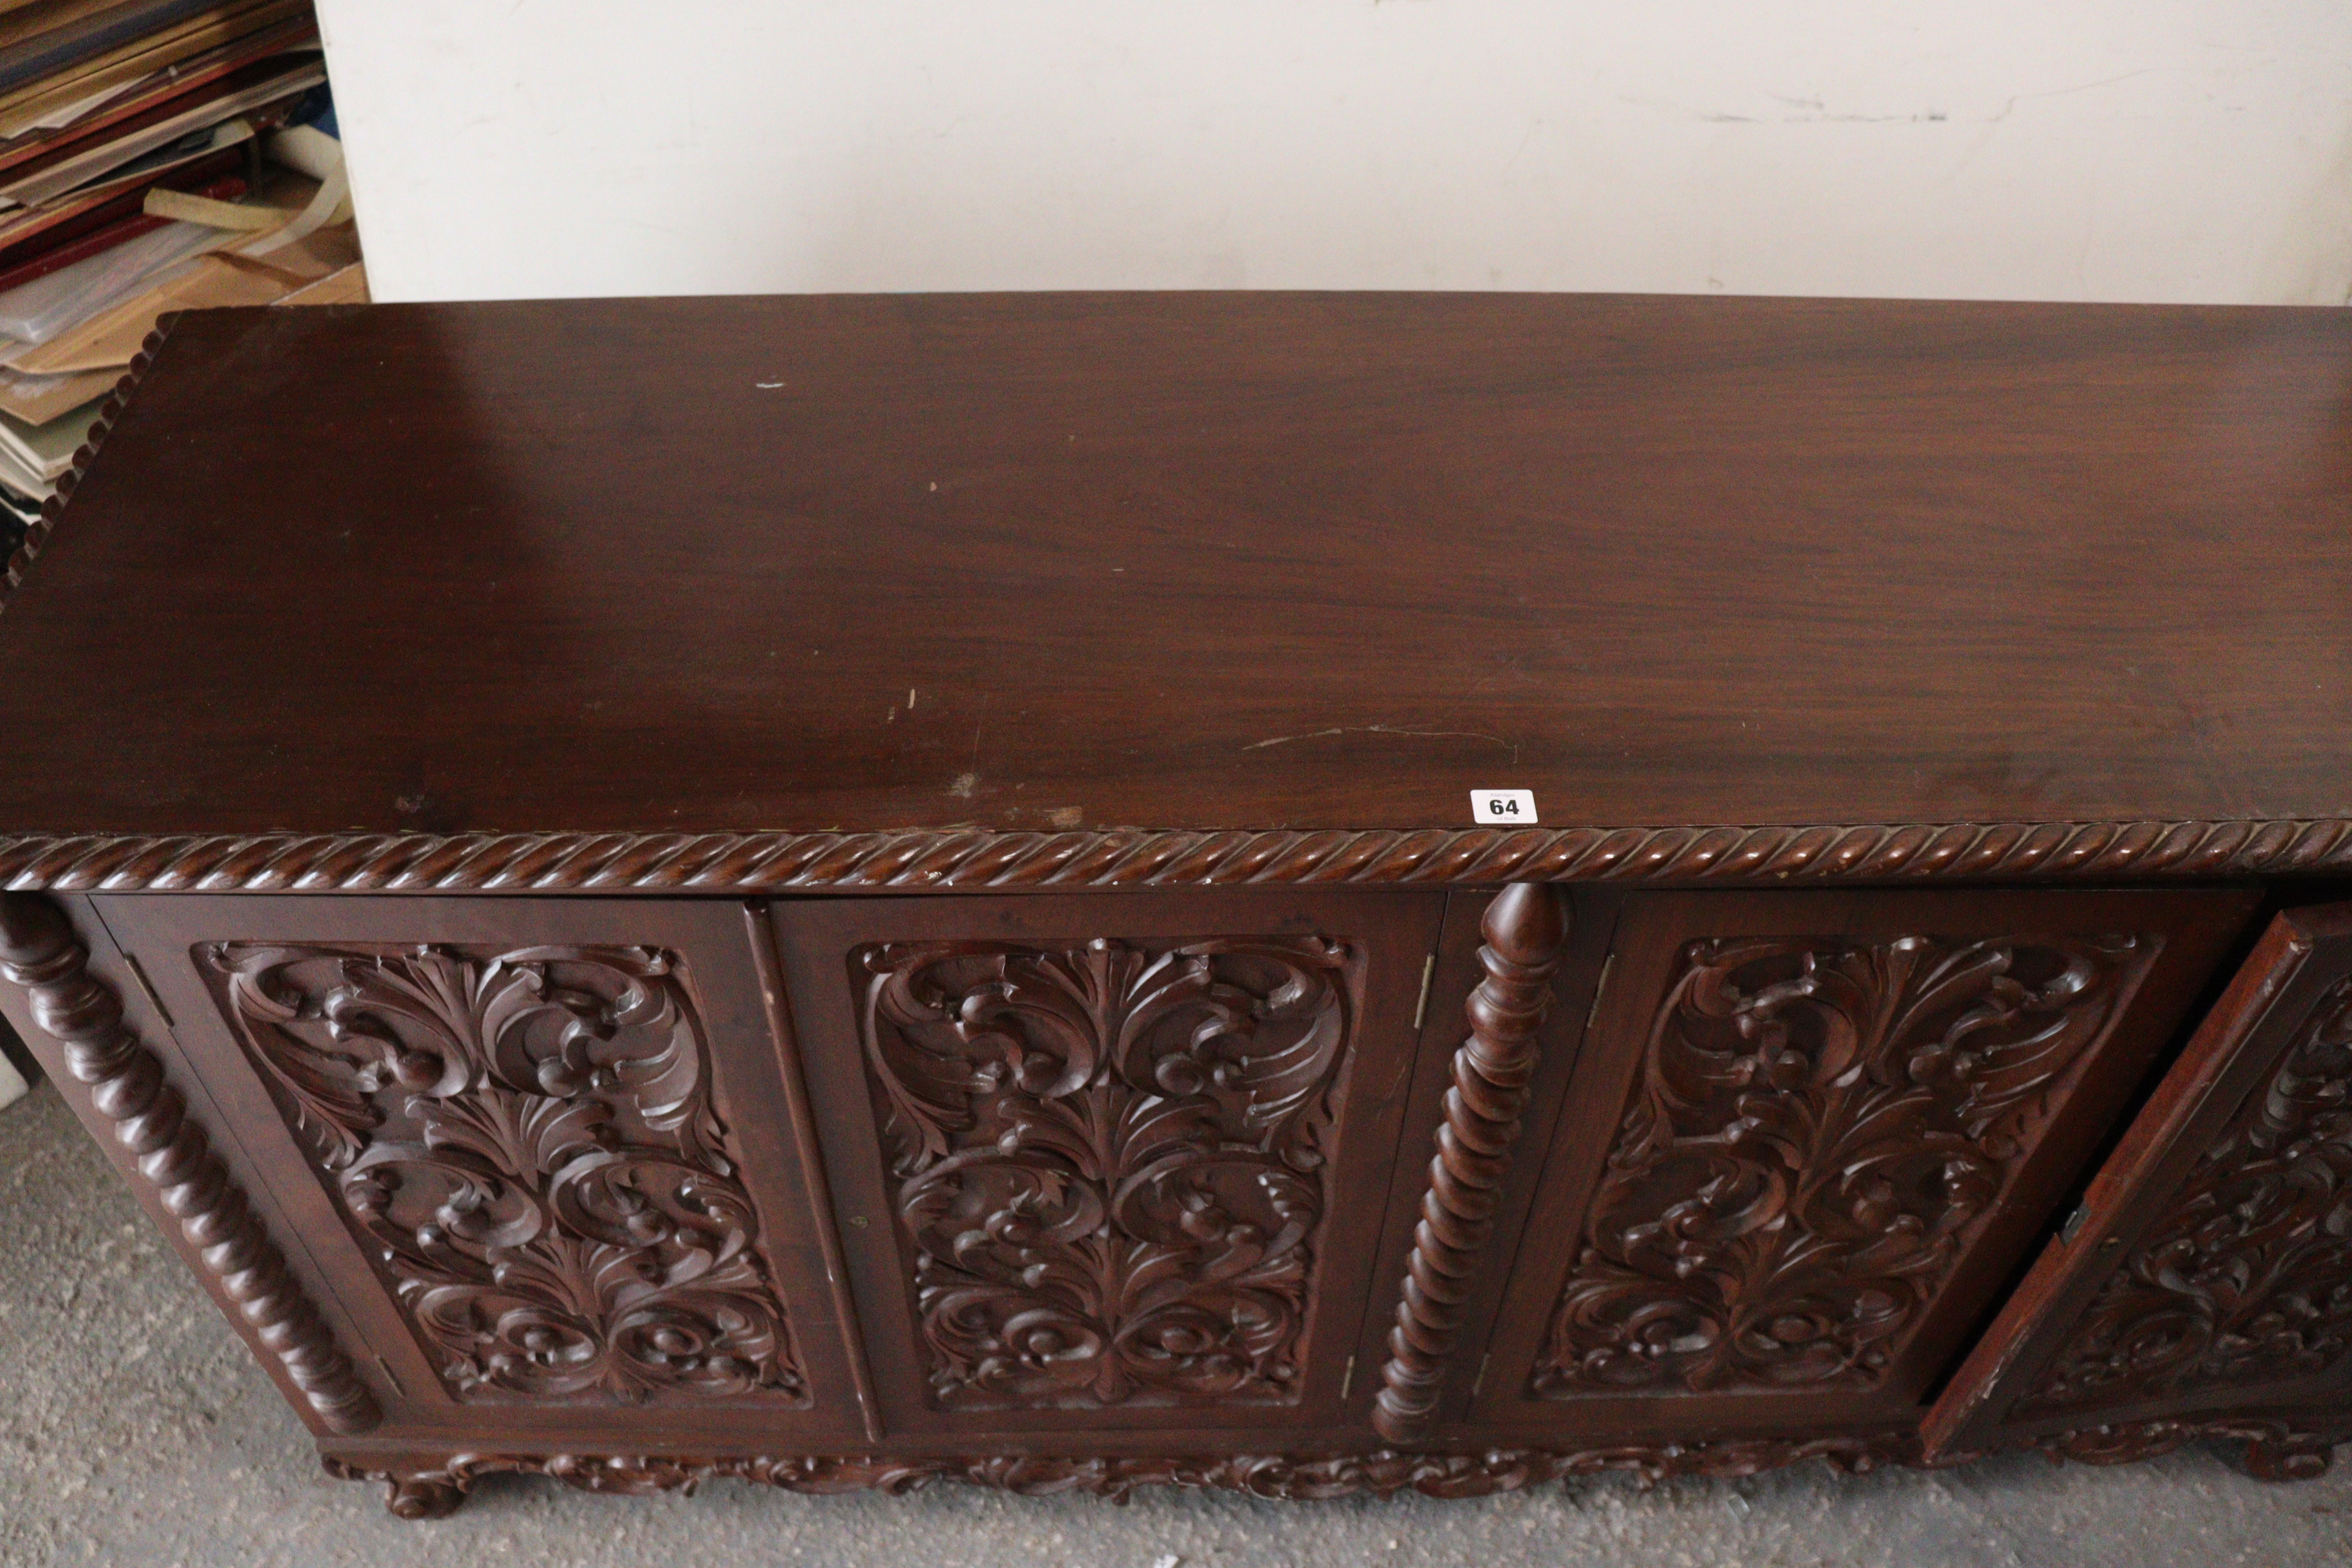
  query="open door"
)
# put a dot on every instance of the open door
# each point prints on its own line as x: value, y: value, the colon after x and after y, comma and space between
x: 1807, y: 1137
x: 2204, y: 1287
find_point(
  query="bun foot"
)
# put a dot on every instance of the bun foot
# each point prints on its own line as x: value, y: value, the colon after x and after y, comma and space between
x: 2267, y: 1461
x: 423, y: 1497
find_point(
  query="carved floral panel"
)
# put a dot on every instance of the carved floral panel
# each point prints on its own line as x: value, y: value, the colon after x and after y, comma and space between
x: 1110, y: 1161
x: 2246, y: 1278
x: 1816, y: 1128
x: 526, y: 1140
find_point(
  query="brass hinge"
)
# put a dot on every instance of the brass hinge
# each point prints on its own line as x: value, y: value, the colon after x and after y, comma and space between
x: 1346, y: 1379
x: 1421, y: 1008
x: 1600, y: 989
x: 147, y: 990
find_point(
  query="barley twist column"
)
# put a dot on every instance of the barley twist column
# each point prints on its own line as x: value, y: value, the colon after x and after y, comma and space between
x: 1524, y: 929
x: 125, y: 1079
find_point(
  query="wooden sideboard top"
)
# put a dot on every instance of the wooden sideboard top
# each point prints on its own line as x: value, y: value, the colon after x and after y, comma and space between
x: 1080, y: 588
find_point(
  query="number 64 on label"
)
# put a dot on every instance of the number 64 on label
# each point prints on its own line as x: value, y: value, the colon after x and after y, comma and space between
x: 1502, y: 807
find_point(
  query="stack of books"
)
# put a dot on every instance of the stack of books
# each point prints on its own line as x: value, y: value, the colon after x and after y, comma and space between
x: 155, y: 155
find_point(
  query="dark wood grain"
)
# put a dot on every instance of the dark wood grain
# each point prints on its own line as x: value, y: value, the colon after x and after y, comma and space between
x: 1051, y: 563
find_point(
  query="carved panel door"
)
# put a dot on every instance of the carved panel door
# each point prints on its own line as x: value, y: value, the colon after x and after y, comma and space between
x: 1806, y: 1137
x: 2205, y: 1285
x: 1113, y: 1162
x: 538, y: 1149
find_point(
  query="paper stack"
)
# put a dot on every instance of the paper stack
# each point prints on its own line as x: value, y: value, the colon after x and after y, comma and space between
x: 155, y: 155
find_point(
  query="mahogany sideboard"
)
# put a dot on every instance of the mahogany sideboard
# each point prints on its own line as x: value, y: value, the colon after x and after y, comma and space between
x: 1301, y: 892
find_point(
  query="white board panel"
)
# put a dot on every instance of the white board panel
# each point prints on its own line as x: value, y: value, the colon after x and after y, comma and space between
x: 2156, y: 150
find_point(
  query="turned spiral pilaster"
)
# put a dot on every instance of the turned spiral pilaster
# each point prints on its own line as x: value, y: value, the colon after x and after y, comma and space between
x: 1524, y: 929
x: 38, y: 953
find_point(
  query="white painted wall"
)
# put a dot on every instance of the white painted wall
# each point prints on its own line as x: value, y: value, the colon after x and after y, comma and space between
x: 2191, y: 150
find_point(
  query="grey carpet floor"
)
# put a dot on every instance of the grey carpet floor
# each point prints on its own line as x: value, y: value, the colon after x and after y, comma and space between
x: 134, y: 1430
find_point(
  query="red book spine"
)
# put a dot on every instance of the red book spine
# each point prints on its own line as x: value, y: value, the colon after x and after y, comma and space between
x: 106, y: 239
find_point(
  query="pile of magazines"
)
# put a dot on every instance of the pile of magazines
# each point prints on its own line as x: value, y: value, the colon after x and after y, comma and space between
x: 155, y: 155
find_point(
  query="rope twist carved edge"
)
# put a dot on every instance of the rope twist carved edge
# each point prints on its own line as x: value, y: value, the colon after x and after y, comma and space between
x: 1524, y: 929
x: 38, y: 953
x: 984, y: 858
x: 1143, y: 857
